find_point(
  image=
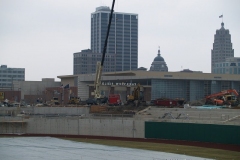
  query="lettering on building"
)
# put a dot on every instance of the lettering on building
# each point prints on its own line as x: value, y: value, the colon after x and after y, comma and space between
x: 118, y: 84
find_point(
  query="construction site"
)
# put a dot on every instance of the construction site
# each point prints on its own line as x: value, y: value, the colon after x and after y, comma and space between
x: 135, y: 105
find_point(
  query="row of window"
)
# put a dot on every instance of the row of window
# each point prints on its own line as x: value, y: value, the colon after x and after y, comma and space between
x: 12, y: 76
x: 10, y: 80
x: 118, y: 38
x: 104, y: 24
x: 224, y: 38
x: 227, y: 70
x: 4, y: 71
x: 222, y: 32
x: 119, y: 29
x: 5, y: 85
x: 221, y: 48
x: 226, y: 64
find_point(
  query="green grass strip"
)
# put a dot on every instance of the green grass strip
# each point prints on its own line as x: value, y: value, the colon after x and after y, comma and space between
x: 169, y: 148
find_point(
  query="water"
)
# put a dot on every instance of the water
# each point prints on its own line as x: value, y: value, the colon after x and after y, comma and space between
x: 40, y: 148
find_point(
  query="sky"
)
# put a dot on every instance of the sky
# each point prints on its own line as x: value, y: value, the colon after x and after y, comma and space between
x: 42, y: 35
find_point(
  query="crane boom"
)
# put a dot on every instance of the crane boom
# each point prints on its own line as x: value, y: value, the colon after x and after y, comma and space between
x: 100, y: 65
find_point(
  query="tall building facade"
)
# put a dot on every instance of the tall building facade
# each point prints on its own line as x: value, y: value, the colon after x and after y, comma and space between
x: 122, y: 40
x: 222, y: 47
x: 229, y: 66
x: 8, y: 75
x: 85, y: 62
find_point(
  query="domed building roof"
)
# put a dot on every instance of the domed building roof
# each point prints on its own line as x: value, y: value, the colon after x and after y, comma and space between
x: 158, y: 58
x: 159, y: 63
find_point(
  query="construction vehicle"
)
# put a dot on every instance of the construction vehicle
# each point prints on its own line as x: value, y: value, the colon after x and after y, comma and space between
x: 55, y: 101
x: 98, y: 97
x: 114, y: 99
x: 74, y: 100
x: 136, y: 97
x: 168, y: 102
x: 224, y: 97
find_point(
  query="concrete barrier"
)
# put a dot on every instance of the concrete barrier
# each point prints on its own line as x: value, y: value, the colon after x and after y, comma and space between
x: 87, y: 126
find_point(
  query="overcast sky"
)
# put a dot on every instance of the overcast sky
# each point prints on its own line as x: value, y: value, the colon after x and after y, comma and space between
x: 42, y: 35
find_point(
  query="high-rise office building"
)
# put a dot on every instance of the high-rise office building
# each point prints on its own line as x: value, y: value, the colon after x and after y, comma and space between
x: 8, y: 75
x: 85, y: 62
x: 230, y: 66
x: 122, y: 40
x: 222, y: 48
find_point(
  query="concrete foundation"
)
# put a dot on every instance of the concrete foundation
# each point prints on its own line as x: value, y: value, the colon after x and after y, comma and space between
x: 78, y: 121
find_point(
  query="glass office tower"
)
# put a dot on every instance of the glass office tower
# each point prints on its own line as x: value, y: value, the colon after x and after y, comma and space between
x: 122, y: 40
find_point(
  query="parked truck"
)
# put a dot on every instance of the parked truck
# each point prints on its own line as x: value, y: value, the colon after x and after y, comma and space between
x: 114, y: 99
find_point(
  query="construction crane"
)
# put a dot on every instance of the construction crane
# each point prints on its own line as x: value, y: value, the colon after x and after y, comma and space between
x: 98, y: 97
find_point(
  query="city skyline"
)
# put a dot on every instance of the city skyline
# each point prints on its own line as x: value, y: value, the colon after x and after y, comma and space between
x: 42, y: 36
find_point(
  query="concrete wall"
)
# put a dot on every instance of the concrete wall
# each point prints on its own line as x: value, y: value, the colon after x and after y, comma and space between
x: 117, y: 127
x: 192, y: 115
x: 7, y: 111
x: 87, y: 124
x: 12, y: 125
x: 61, y: 110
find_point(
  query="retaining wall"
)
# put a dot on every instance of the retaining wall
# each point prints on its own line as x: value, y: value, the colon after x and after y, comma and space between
x: 117, y: 127
x: 45, y: 110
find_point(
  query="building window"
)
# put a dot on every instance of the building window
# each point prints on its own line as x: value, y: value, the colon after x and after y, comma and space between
x: 235, y: 70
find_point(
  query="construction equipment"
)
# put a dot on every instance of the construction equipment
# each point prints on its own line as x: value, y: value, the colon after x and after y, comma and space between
x: 55, y: 101
x: 224, y: 97
x: 168, y: 102
x: 99, y: 98
x: 74, y: 100
x: 136, y: 97
x: 114, y: 99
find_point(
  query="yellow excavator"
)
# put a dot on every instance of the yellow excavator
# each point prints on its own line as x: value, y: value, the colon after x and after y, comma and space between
x: 74, y: 100
x: 136, y: 97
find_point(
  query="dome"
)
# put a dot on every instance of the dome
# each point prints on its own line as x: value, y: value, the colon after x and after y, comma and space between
x: 158, y: 58
x: 159, y: 64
